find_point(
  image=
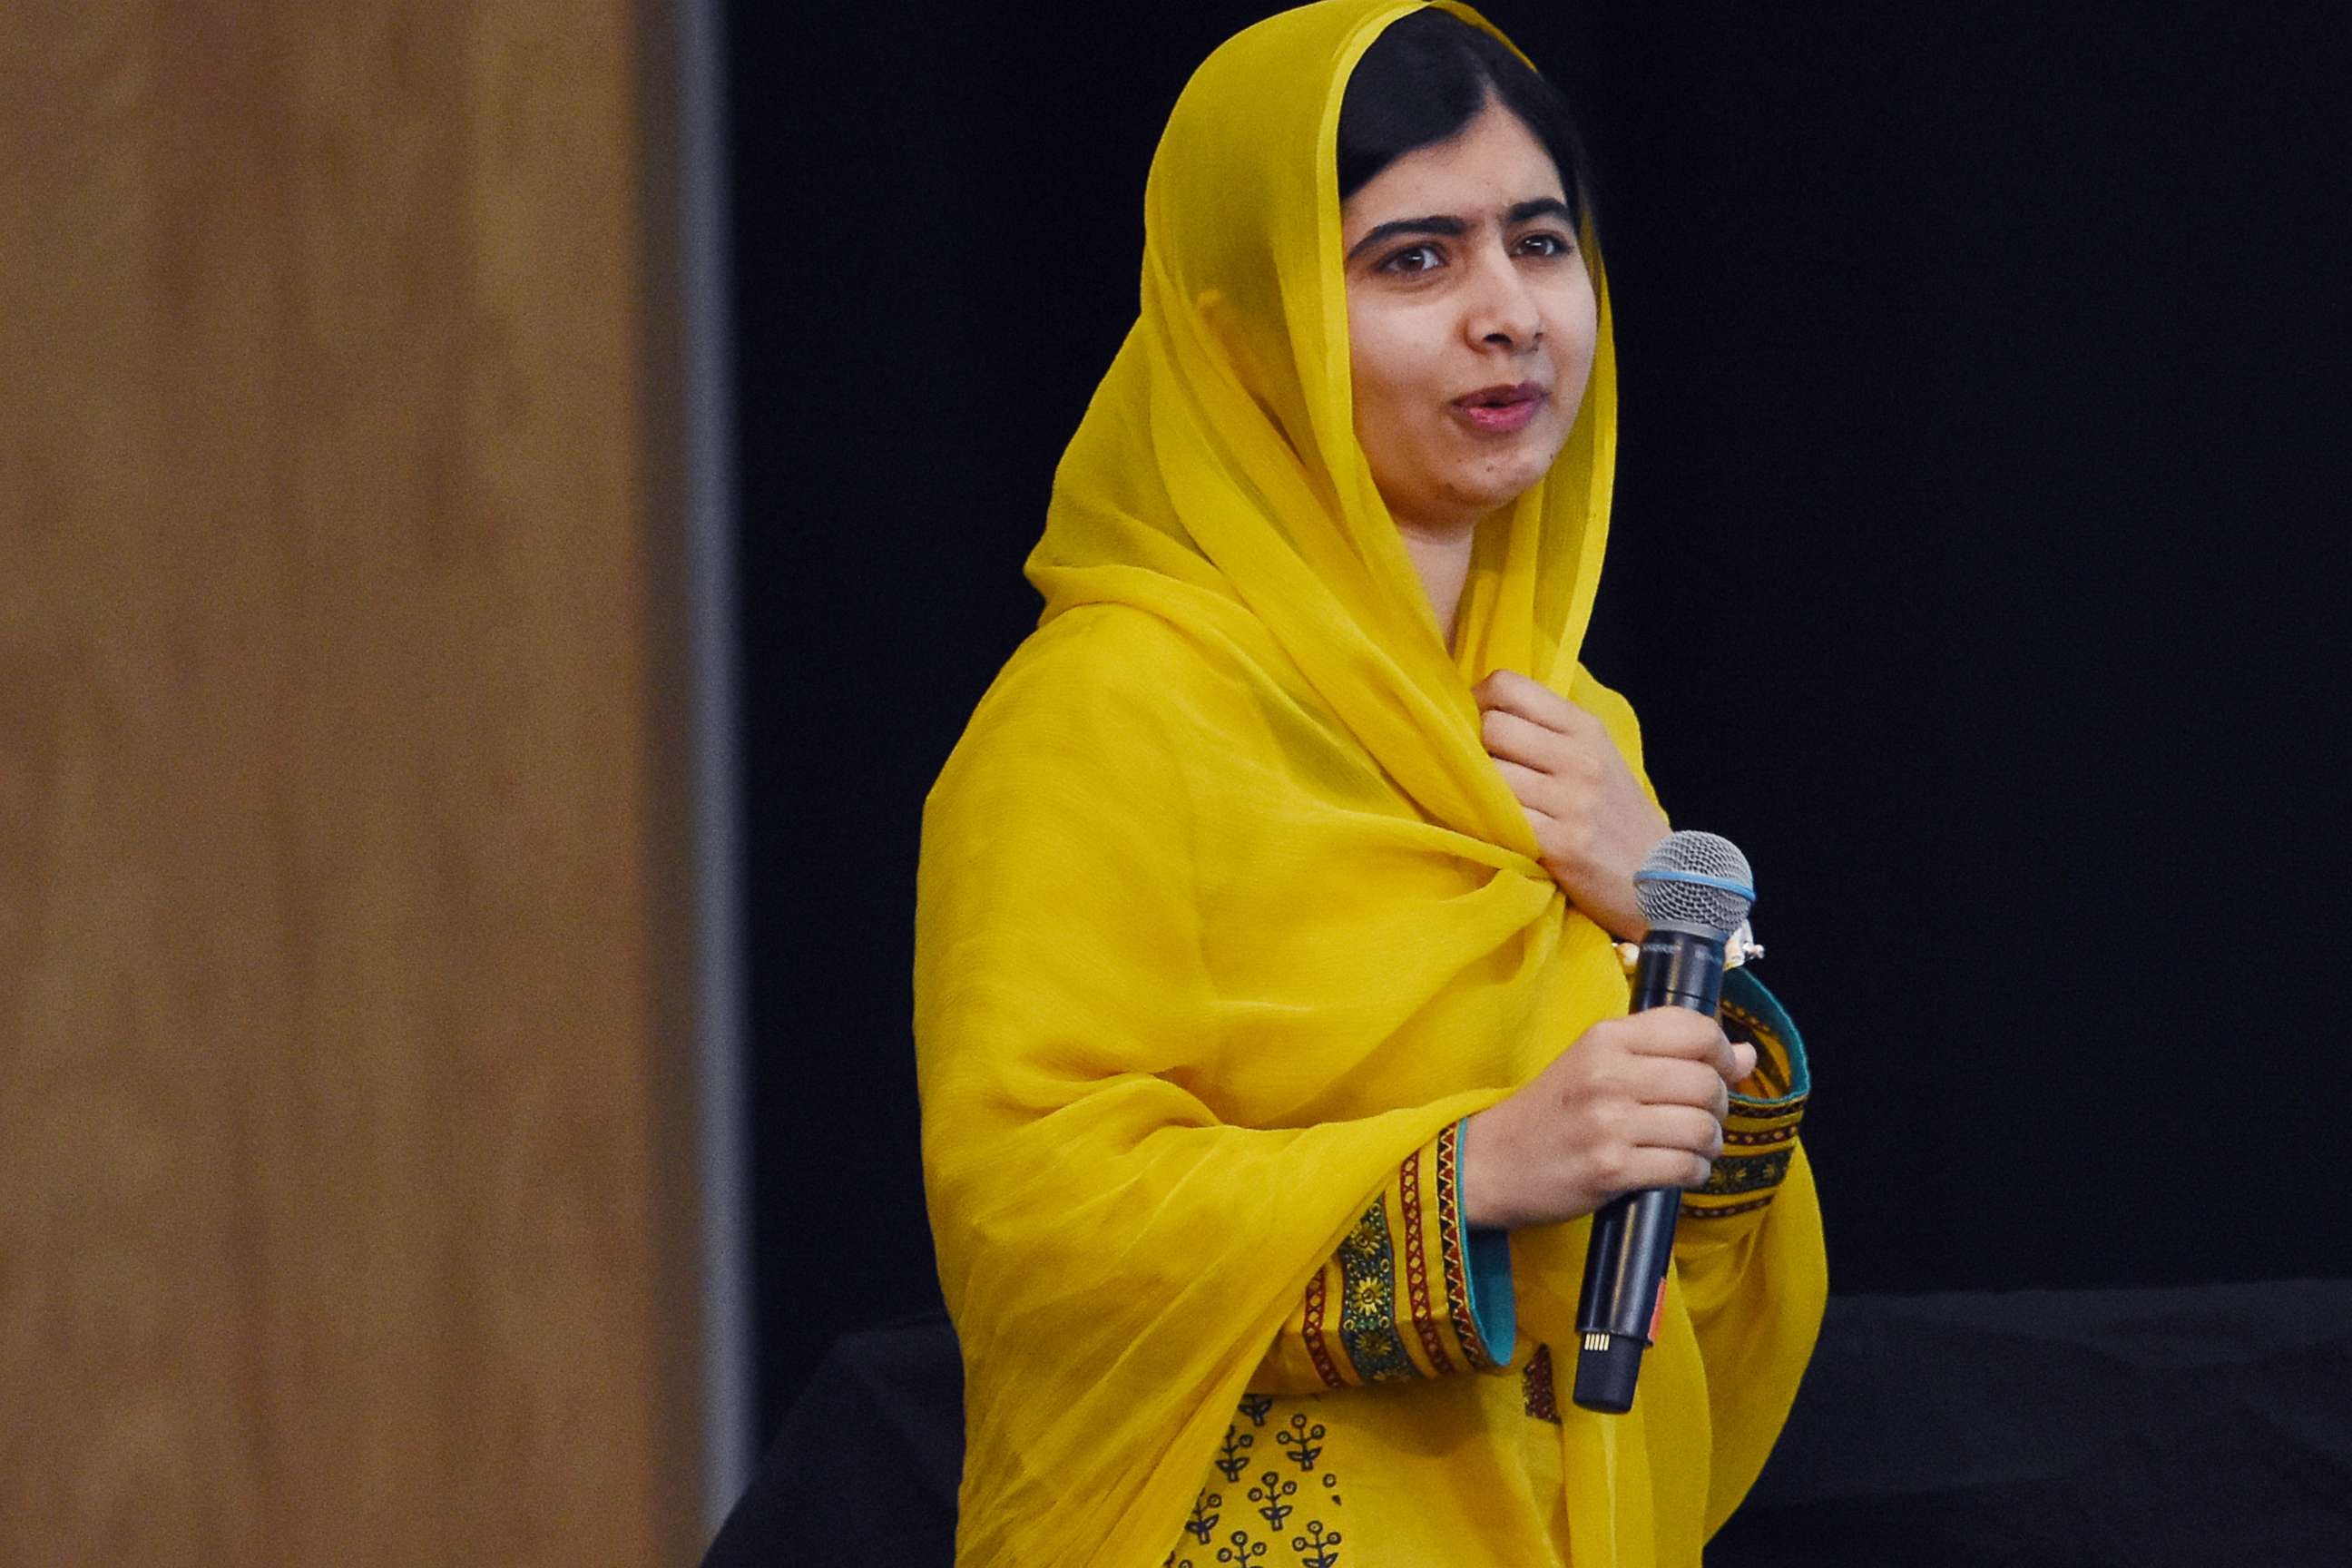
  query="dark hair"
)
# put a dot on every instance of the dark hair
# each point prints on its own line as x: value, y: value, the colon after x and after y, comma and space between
x: 1425, y: 77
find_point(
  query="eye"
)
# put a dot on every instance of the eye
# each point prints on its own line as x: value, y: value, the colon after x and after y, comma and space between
x: 1413, y: 260
x: 1547, y: 244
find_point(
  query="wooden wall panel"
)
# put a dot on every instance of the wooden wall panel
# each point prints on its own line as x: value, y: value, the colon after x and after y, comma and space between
x: 343, y: 1213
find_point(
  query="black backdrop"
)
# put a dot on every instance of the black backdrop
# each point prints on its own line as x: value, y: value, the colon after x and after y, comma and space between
x: 1976, y: 566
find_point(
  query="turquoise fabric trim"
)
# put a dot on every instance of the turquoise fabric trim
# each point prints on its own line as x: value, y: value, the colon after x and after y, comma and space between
x: 1741, y: 987
x: 1487, y: 1258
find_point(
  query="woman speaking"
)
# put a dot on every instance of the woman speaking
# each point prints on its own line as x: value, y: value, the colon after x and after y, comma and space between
x: 1269, y: 1012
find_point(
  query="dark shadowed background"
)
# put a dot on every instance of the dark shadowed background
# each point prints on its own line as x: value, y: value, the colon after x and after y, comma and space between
x: 1976, y: 562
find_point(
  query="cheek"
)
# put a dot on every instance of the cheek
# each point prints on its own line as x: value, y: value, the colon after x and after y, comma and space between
x: 1391, y: 375
x: 1379, y: 367
x: 1571, y: 328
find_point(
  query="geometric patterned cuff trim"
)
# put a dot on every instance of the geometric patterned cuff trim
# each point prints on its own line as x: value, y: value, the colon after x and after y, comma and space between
x: 1723, y: 1210
x: 1480, y: 1297
x: 1782, y: 1079
x: 1759, y: 1133
x: 1748, y: 1173
x: 1395, y: 1300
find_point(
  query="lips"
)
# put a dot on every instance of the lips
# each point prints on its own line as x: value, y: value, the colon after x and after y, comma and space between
x: 1500, y: 409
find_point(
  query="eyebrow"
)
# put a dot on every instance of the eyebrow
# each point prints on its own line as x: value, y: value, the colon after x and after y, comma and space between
x: 1454, y: 227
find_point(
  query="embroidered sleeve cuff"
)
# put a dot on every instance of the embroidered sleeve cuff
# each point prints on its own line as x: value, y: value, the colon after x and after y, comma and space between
x: 1484, y: 1257
x: 1411, y: 1292
x: 1760, y: 1133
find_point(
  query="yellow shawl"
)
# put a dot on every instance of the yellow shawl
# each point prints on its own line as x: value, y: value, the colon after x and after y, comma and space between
x: 1223, y: 909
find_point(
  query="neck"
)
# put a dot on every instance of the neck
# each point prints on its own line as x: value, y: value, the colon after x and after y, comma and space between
x: 1441, y: 557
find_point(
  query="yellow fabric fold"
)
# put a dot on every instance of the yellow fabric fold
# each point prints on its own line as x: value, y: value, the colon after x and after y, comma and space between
x: 1223, y: 910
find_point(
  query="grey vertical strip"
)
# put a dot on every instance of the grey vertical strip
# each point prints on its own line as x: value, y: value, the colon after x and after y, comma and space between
x: 721, y: 1088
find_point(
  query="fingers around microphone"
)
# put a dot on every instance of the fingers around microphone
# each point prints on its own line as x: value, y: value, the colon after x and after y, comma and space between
x: 1674, y: 1146
x: 1686, y: 1129
x: 1694, y: 1037
x: 1675, y: 1032
x: 1645, y: 1169
x: 1680, y: 1084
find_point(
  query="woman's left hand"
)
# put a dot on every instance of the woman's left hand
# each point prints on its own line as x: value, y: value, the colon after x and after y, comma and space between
x: 1593, y: 821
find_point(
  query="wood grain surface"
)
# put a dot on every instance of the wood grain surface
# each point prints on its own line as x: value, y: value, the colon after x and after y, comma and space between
x: 343, y: 1063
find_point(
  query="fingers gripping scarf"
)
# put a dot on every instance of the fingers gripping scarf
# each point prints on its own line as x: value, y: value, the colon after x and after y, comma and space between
x: 1223, y: 909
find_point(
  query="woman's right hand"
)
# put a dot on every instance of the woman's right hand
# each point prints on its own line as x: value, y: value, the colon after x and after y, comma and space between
x: 1636, y: 1102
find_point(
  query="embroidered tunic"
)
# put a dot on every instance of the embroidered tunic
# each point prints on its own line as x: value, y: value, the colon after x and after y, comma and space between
x: 1226, y: 917
x: 1412, y: 1300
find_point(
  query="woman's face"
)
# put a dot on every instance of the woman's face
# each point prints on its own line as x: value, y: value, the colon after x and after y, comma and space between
x: 1470, y: 323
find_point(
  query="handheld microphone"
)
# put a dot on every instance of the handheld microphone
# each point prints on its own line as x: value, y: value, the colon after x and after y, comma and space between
x: 1695, y: 891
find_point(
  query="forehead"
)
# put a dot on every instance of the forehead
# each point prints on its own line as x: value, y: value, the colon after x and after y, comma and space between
x: 1495, y: 163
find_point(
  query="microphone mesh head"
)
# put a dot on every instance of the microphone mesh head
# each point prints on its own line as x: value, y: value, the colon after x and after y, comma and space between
x: 1669, y: 898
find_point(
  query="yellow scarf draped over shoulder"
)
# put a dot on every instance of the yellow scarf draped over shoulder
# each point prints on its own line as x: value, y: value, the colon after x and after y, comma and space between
x: 1223, y: 909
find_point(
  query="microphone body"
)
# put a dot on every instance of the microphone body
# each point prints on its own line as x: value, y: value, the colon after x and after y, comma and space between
x: 1632, y: 1238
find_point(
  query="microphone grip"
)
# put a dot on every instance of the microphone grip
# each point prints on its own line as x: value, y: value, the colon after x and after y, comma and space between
x: 1625, y: 1287
x: 1633, y: 1236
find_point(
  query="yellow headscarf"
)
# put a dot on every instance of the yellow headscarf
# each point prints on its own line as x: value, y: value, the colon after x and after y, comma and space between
x: 1224, y: 908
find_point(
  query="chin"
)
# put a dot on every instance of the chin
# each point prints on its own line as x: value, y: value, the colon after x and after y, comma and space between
x: 1518, y: 472
x: 1496, y: 487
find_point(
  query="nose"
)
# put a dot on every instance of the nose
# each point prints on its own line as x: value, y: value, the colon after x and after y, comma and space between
x: 1501, y: 310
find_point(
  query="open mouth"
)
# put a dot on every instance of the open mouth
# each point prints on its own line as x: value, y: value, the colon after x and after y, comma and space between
x: 1503, y: 396
x: 1500, y: 409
